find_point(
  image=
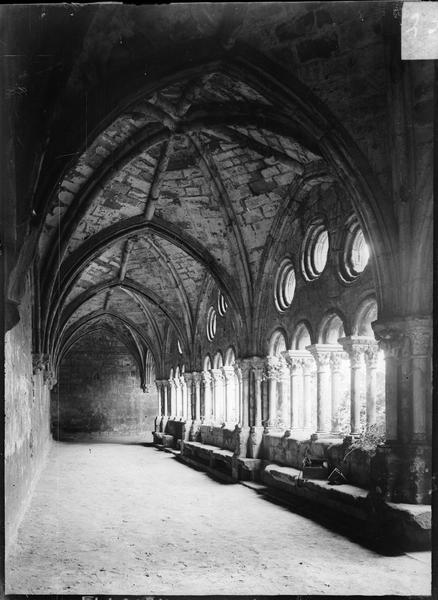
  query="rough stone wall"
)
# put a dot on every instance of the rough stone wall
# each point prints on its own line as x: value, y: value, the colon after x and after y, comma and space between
x: 99, y: 394
x: 27, y: 430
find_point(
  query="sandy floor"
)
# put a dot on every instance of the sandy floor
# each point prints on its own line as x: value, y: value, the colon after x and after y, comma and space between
x: 126, y: 519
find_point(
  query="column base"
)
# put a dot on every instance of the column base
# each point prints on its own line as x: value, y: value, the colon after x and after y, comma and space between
x: 255, y: 441
x: 404, y: 472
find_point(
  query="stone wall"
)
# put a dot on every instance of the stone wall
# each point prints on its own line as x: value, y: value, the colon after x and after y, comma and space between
x: 99, y: 394
x: 27, y: 431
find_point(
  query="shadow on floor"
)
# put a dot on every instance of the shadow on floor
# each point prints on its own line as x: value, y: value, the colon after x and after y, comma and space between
x: 379, y: 539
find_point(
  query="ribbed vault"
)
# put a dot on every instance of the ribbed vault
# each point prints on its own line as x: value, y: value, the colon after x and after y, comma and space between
x: 188, y: 186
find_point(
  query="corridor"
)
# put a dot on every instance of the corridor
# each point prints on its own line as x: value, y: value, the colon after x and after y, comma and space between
x: 129, y: 519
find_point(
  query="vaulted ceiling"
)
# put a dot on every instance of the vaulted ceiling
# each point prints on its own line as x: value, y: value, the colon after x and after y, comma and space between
x: 182, y: 186
x: 183, y: 181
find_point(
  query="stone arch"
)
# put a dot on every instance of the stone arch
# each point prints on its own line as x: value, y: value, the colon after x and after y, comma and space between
x: 218, y: 360
x: 207, y: 365
x: 230, y: 356
x: 301, y: 337
x: 365, y: 314
x: 331, y: 328
x: 277, y: 342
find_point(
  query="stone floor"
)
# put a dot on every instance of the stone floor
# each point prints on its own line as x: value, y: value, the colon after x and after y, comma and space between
x: 129, y: 519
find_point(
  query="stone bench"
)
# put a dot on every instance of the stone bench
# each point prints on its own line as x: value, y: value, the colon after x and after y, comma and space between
x: 221, y: 450
x: 409, y: 524
x: 169, y: 432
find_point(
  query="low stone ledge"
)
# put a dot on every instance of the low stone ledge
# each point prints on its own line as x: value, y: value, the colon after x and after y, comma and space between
x: 407, y: 524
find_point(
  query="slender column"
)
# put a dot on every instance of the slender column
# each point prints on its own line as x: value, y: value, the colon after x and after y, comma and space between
x: 335, y: 365
x: 164, y: 394
x: 355, y: 347
x: 159, y: 385
x: 355, y: 366
x: 239, y: 408
x: 371, y: 382
x: 322, y: 353
x: 271, y: 374
x: 308, y: 366
x: 173, y: 406
x: 197, y: 386
x: 218, y: 394
x: 245, y: 367
x: 284, y: 392
x: 230, y: 393
x: 188, y: 394
x: 294, y: 360
x: 178, y: 394
x: 257, y: 369
x: 206, y: 383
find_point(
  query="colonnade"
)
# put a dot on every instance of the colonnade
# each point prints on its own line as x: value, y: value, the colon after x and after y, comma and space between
x: 299, y: 390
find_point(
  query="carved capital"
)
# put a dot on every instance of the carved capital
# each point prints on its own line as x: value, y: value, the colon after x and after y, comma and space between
x: 272, y: 368
x: 294, y: 360
x: 308, y: 366
x: 321, y: 353
x: 371, y: 355
x: 206, y: 377
x: 197, y: 377
x: 336, y: 361
x: 228, y: 374
x: 420, y: 338
x: 188, y: 378
x: 217, y: 375
x: 40, y: 362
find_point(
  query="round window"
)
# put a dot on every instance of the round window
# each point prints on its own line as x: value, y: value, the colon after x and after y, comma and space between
x: 314, y: 251
x: 211, y: 324
x: 221, y: 304
x: 355, y: 253
x: 285, y: 285
x: 359, y: 252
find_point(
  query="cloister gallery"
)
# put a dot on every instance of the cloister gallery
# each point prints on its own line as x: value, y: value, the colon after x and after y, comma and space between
x: 217, y: 253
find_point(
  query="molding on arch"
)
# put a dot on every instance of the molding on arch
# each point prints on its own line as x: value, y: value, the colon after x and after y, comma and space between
x: 72, y: 267
x: 298, y: 326
x: 63, y: 343
x: 275, y: 334
x: 328, y: 315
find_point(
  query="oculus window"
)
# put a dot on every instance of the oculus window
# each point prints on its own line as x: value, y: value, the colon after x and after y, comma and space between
x: 314, y: 252
x: 285, y: 285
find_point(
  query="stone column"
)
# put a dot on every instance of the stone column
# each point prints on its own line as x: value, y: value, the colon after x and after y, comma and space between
x: 172, y: 397
x: 206, y: 383
x: 407, y: 344
x: 420, y: 335
x: 258, y: 374
x: 321, y: 354
x: 335, y: 365
x: 245, y: 369
x: 308, y: 367
x: 165, y: 389
x: 179, y: 394
x: 188, y: 395
x: 272, y: 375
x: 294, y: 359
x: 218, y: 394
x: 159, y: 384
x: 284, y: 392
x: 197, y: 386
x: 230, y: 394
x: 355, y: 347
x: 371, y: 353
x: 239, y: 407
